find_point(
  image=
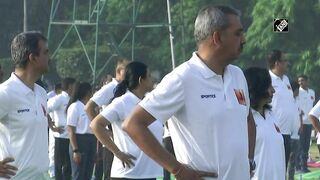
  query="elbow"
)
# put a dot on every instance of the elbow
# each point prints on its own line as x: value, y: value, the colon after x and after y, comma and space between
x: 93, y: 126
x: 125, y: 126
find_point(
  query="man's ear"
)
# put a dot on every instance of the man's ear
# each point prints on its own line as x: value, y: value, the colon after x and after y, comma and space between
x: 216, y: 38
x: 31, y: 57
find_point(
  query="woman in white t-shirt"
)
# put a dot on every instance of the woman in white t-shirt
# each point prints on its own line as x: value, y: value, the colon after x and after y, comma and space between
x: 269, y: 151
x: 129, y: 162
x: 82, y: 141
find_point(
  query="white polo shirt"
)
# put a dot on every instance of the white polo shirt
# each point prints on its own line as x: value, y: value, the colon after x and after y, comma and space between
x: 269, y: 151
x: 209, y: 124
x: 78, y: 118
x: 105, y: 94
x: 57, y: 106
x: 315, y: 111
x: 283, y: 103
x: 306, y: 101
x: 23, y: 117
x: 144, y: 167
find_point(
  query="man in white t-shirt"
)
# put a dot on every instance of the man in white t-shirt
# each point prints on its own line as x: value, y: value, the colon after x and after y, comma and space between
x: 57, y: 108
x: 283, y: 101
x: 306, y: 102
x: 101, y: 99
x: 208, y: 101
x: 23, y: 110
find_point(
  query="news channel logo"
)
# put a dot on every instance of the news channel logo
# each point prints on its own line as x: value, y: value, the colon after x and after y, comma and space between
x: 280, y: 25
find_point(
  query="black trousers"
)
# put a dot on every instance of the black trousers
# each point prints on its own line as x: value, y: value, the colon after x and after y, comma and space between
x: 87, y: 149
x: 287, y: 145
x: 107, y: 162
x: 62, y: 166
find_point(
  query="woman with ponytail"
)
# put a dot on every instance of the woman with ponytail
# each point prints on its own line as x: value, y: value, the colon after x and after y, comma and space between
x: 129, y: 162
x: 82, y: 141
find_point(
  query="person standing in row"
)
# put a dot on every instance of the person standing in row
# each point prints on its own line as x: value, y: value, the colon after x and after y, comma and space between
x: 269, y: 152
x: 23, y: 110
x: 130, y: 161
x: 57, y: 106
x: 306, y: 102
x: 101, y: 99
x: 205, y: 97
x: 82, y: 141
x: 282, y: 102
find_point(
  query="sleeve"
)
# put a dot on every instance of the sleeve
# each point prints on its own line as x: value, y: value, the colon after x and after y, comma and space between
x: 113, y: 111
x: 54, y: 103
x: 104, y: 95
x: 166, y: 99
x: 315, y: 111
x: 72, y: 115
x: 4, y: 108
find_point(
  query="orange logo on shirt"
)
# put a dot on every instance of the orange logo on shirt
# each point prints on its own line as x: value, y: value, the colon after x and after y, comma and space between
x: 240, y: 96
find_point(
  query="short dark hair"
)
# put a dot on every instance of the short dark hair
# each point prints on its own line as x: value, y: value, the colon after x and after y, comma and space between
x: 303, y: 76
x: 23, y: 45
x: 66, y: 82
x: 294, y: 85
x: 259, y: 81
x: 273, y: 57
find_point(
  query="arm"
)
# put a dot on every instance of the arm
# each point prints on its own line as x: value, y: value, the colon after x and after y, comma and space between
x: 98, y: 125
x: 73, y: 142
x: 251, y: 136
x: 315, y: 122
x: 90, y: 108
x: 53, y: 127
x: 7, y: 170
x: 136, y: 125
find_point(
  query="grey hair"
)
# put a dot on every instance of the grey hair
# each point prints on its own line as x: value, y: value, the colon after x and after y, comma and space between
x: 23, y: 45
x: 211, y: 19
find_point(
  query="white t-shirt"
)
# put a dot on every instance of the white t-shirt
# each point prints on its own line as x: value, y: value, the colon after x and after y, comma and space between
x: 23, y: 119
x: 145, y: 167
x: 57, y: 107
x: 306, y: 100
x: 209, y: 117
x: 269, y: 151
x: 283, y: 103
x: 315, y: 111
x: 78, y: 118
x: 105, y: 94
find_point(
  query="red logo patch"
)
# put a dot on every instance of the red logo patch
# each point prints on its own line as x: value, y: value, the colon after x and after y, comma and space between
x: 240, y: 96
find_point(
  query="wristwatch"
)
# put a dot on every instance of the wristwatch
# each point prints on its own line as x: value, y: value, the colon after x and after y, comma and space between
x: 252, y: 164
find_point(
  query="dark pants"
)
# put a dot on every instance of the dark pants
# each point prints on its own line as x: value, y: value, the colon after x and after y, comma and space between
x: 167, y: 143
x: 287, y: 144
x: 294, y: 158
x: 107, y: 162
x: 98, y: 170
x: 132, y: 179
x: 62, y: 167
x: 304, y: 145
x: 87, y: 149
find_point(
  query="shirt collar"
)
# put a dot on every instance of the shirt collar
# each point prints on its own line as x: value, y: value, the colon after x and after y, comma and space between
x: 133, y: 97
x: 274, y: 76
x: 203, y: 68
x: 20, y: 85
